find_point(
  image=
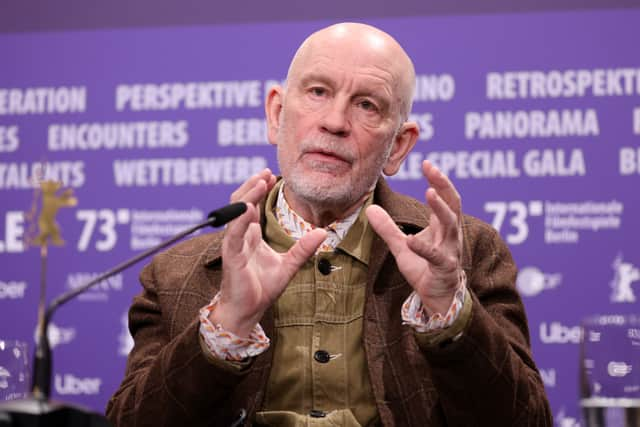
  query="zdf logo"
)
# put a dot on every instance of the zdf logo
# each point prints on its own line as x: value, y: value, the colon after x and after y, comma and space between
x: 57, y: 335
x: 531, y: 281
x: 12, y: 289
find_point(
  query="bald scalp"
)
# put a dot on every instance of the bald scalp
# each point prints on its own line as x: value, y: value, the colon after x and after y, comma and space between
x: 365, y: 37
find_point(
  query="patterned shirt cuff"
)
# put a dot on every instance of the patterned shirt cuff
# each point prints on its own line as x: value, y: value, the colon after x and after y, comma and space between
x: 414, y: 315
x: 226, y: 345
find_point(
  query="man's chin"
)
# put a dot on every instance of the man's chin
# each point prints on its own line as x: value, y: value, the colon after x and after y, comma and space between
x: 321, y: 177
x: 319, y: 189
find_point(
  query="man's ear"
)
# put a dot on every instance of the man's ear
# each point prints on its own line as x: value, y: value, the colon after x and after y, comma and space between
x: 403, y: 143
x: 273, y: 108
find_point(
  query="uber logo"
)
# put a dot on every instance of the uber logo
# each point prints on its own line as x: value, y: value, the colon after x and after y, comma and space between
x: 557, y: 333
x: 69, y: 384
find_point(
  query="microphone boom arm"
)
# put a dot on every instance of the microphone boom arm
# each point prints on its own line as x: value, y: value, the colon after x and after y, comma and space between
x: 42, y: 358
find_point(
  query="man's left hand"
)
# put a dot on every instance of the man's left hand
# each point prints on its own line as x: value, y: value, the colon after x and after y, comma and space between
x: 430, y: 261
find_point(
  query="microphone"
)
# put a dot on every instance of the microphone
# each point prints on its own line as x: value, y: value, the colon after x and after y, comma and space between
x: 225, y: 214
x: 42, y: 360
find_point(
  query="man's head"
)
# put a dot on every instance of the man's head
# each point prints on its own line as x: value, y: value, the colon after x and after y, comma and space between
x: 341, y: 118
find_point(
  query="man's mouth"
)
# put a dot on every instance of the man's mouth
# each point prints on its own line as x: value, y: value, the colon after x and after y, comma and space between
x: 326, y: 162
x: 327, y: 156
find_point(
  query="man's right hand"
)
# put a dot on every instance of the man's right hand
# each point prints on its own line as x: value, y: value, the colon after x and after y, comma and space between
x: 253, y: 274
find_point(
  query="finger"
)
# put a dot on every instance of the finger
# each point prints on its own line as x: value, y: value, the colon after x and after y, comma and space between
x: 447, y: 219
x: 443, y: 185
x: 241, y: 192
x: 234, y: 237
x: 303, y: 250
x: 253, y: 236
x: 386, y: 229
x: 271, y: 181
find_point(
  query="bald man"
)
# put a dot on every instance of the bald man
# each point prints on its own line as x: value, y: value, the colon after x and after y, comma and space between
x: 333, y: 300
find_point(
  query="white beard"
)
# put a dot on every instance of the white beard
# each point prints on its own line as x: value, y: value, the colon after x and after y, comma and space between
x: 329, y: 190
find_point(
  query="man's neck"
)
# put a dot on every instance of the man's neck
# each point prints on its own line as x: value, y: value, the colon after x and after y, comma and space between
x: 323, y: 215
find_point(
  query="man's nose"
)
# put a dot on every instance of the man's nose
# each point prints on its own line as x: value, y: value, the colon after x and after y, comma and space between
x: 335, y: 119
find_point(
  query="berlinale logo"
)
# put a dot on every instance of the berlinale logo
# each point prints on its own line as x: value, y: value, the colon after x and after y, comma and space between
x: 624, y: 275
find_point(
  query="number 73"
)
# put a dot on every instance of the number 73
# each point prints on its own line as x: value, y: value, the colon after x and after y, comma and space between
x: 517, y: 213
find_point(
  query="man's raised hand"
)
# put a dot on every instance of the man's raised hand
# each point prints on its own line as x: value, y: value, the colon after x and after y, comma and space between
x: 253, y: 274
x: 430, y: 261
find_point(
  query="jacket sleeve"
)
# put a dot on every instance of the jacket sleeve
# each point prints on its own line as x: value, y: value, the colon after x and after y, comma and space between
x: 169, y: 380
x: 487, y: 370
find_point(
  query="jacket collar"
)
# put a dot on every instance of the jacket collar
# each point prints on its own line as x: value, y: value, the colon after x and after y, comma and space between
x: 410, y: 215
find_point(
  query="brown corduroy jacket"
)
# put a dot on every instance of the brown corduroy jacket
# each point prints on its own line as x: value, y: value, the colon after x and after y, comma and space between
x: 486, y: 377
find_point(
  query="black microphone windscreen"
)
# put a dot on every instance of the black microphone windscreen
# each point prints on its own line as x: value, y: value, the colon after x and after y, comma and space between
x: 225, y: 214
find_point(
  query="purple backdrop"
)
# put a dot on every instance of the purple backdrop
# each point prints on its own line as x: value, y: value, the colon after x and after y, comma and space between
x: 536, y: 119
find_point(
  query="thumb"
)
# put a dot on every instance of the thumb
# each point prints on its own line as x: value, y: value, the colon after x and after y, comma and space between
x: 386, y: 229
x: 303, y: 250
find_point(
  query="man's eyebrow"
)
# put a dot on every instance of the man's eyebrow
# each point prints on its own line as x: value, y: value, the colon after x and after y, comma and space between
x: 381, y: 98
x: 315, y: 77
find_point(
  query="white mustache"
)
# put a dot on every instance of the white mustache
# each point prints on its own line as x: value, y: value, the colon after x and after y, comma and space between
x: 327, y: 145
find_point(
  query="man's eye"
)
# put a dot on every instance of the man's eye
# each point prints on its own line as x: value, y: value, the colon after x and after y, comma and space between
x: 368, y: 105
x: 318, y: 91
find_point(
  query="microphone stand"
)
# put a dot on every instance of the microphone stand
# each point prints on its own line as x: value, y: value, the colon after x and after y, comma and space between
x: 38, y: 410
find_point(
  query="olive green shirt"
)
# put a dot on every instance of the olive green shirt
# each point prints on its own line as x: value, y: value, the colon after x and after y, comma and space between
x: 321, y: 376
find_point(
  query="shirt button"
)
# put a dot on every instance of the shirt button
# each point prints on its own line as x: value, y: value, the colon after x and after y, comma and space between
x: 322, y: 356
x: 315, y: 413
x: 324, y: 266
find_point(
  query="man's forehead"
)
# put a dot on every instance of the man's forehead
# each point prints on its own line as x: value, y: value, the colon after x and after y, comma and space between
x: 368, y: 45
x: 354, y: 41
x: 350, y: 55
x: 351, y: 31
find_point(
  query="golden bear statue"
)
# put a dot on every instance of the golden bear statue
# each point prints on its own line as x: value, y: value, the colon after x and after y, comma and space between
x: 51, y: 202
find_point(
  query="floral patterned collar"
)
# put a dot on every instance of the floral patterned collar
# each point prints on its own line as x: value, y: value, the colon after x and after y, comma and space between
x: 295, y: 226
